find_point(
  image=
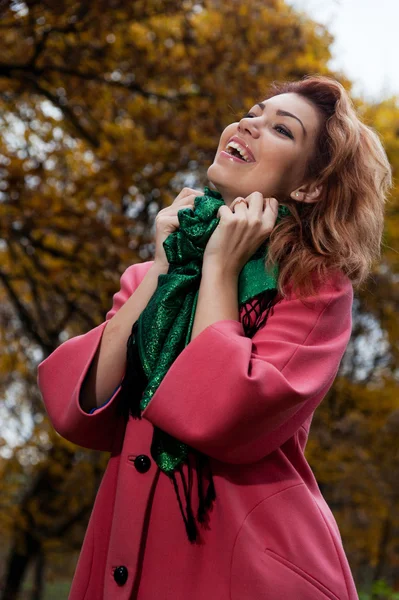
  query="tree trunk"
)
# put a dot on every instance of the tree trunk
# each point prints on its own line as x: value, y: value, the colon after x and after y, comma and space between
x: 27, y: 539
x: 382, y: 550
x: 25, y: 549
x: 38, y: 584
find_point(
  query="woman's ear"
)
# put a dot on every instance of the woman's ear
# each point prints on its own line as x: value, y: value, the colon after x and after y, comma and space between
x: 307, y: 193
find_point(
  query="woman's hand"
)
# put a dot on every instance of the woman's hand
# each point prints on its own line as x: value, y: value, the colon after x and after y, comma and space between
x: 167, y: 221
x: 240, y: 232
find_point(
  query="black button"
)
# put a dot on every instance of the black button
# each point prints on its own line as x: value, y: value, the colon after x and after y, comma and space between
x: 120, y: 575
x: 142, y: 463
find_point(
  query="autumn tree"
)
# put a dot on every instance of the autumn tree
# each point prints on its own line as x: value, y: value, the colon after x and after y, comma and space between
x: 107, y: 110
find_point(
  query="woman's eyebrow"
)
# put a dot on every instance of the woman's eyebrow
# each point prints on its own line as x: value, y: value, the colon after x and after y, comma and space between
x: 284, y: 113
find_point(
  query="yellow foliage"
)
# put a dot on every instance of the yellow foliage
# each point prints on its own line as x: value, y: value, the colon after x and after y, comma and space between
x: 110, y: 112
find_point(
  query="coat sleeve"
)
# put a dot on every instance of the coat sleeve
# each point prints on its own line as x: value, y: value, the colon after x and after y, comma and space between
x: 106, y: 402
x: 61, y: 374
x: 237, y: 399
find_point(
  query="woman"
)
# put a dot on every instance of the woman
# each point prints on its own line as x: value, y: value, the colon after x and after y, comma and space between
x: 246, y: 404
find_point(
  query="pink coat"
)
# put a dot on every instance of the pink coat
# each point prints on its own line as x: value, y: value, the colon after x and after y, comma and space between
x: 248, y: 405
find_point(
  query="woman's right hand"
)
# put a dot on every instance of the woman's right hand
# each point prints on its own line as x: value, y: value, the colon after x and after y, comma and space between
x: 167, y: 221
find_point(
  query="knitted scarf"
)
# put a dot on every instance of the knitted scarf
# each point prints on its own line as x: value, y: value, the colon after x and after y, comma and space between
x: 164, y: 328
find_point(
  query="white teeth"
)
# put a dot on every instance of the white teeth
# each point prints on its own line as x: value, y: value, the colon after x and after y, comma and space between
x: 240, y: 149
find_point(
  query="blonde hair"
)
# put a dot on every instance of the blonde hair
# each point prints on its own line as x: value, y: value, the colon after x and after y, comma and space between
x: 342, y: 231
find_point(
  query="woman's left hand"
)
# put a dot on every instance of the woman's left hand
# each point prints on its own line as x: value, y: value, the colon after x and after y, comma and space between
x: 240, y: 232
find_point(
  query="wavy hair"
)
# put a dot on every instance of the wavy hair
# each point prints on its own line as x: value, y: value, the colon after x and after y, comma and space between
x: 342, y: 231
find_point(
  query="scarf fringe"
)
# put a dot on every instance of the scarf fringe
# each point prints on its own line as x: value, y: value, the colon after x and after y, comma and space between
x: 205, y: 504
x: 261, y: 305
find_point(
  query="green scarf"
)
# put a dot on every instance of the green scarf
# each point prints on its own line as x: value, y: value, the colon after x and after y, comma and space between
x: 164, y: 329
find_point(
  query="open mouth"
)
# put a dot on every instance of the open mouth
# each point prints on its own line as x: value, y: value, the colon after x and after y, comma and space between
x: 235, y: 155
x: 238, y: 150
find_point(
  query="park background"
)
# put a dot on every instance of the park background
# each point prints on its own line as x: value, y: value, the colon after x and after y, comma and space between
x: 107, y: 110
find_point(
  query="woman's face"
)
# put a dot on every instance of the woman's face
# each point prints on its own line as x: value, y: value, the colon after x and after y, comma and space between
x: 281, y: 146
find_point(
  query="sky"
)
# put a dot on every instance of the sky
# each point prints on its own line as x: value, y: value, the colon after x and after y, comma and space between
x: 366, y: 46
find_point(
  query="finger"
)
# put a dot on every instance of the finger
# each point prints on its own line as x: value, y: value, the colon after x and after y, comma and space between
x: 256, y: 202
x: 186, y: 193
x: 270, y: 213
x: 171, y: 221
x: 191, y: 205
x: 171, y: 214
x: 224, y: 212
x: 186, y: 202
x: 271, y: 204
x: 236, y: 204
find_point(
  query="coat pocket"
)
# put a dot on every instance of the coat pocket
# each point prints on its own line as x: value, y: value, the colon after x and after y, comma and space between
x: 322, y: 591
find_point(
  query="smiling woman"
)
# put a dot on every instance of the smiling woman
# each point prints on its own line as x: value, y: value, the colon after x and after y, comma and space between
x: 209, y: 459
x: 305, y: 146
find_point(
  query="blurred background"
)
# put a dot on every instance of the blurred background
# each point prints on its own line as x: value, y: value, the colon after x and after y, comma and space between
x: 107, y: 110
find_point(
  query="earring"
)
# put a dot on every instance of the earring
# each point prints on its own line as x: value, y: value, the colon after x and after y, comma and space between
x: 296, y: 193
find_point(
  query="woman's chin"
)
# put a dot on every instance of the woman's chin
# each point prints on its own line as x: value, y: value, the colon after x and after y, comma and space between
x: 216, y: 178
x: 212, y: 186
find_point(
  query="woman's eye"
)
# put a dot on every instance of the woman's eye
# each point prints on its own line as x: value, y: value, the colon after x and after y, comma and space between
x: 285, y: 131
